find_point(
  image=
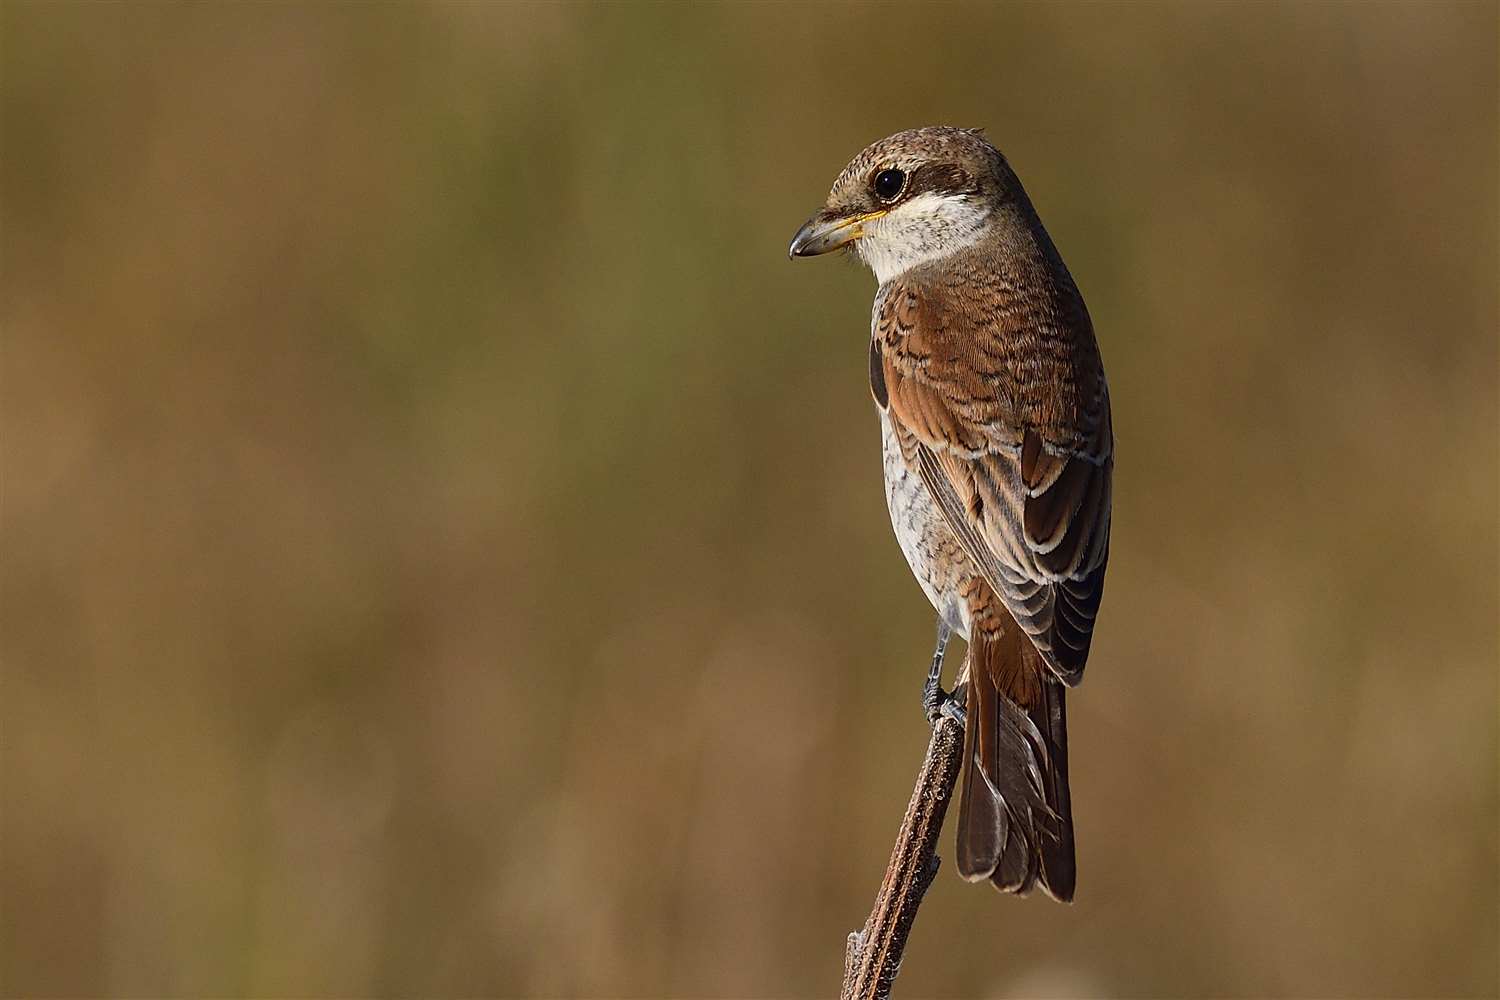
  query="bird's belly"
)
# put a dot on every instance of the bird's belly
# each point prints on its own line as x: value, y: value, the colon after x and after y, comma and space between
x: 931, y: 549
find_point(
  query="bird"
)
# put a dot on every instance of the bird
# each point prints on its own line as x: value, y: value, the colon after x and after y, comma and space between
x: 998, y: 454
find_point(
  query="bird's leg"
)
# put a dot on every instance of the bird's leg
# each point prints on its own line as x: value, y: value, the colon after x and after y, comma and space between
x: 935, y: 701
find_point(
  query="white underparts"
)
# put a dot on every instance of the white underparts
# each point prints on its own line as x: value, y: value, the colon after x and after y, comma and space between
x: 921, y: 533
x: 927, y: 227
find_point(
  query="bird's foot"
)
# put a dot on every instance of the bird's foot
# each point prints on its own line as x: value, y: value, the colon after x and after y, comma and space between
x: 953, y: 707
x: 940, y: 704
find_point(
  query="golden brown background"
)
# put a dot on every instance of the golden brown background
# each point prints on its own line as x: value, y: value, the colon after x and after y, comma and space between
x: 444, y: 550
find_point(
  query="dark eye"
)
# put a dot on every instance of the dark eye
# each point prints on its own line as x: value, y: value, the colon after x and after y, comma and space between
x: 888, y: 184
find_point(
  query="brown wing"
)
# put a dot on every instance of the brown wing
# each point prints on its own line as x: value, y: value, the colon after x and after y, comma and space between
x: 999, y: 398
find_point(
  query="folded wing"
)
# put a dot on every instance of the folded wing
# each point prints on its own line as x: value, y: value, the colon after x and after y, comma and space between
x: 1000, y: 403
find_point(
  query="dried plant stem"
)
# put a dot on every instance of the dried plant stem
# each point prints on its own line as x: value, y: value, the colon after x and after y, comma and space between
x: 873, y: 955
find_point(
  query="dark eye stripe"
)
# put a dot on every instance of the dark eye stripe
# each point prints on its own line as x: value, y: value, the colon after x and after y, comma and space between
x: 942, y: 178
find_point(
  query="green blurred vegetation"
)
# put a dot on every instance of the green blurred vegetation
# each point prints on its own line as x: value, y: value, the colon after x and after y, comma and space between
x: 443, y: 547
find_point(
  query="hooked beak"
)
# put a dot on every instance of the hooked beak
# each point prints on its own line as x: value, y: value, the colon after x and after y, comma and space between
x: 823, y: 233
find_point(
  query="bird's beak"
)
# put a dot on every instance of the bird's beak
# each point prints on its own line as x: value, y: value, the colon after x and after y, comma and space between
x: 825, y: 232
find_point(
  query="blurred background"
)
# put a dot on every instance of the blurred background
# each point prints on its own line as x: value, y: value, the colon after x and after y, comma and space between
x: 443, y: 543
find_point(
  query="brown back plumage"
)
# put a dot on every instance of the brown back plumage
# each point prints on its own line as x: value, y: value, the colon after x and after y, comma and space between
x: 989, y: 362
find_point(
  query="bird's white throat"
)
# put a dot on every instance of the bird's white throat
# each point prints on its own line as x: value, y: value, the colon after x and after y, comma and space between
x: 926, y: 228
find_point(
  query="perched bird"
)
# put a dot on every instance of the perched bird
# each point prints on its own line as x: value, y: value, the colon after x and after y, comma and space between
x: 995, y: 426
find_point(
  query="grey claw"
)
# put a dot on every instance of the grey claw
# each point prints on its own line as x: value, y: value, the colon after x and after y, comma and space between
x: 953, y: 710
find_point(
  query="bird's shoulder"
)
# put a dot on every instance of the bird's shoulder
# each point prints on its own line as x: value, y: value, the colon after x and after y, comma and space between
x: 978, y: 350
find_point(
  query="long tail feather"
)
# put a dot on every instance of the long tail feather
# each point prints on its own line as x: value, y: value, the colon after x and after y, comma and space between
x: 1015, y: 824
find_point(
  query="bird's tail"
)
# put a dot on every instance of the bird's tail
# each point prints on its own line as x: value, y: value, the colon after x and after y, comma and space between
x: 1015, y: 820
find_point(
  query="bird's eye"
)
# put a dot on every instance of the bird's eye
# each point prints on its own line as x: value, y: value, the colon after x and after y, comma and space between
x: 888, y: 184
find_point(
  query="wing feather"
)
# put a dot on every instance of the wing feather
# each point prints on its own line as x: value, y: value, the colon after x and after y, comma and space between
x: 1004, y: 412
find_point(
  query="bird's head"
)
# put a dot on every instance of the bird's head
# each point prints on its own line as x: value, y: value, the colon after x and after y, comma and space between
x: 916, y: 196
